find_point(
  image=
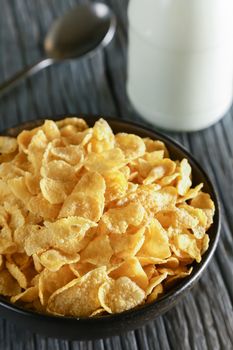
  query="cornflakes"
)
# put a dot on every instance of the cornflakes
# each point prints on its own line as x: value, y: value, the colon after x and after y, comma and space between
x: 93, y: 223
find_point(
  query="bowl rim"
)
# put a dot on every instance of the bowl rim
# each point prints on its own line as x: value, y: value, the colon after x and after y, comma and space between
x: 177, y: 290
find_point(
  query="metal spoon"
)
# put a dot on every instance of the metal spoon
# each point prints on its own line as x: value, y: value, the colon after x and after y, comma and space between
x: 80, y: 31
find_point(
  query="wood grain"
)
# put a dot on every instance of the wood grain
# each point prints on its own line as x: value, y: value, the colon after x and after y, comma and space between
x: 204, y: 319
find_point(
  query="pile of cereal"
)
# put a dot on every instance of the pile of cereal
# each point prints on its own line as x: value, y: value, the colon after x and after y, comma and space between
x: 93, y: 222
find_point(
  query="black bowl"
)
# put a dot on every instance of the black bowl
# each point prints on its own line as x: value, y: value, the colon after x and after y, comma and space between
x: 105, y: 326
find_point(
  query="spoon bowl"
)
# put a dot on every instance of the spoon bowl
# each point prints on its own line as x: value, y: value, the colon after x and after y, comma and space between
x: 71, y: 37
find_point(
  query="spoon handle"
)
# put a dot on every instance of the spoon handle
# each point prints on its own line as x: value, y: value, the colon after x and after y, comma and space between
x: 24, y: 73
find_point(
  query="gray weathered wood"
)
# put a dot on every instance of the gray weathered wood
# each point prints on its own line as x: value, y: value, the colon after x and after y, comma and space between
x: 204, y: 319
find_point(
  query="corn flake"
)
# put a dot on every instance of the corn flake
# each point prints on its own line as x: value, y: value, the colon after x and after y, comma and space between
x: 112, y: 159
x: 127, y: 244
x: 53, y: 260
x: 64, y: 234
x: 184, y: 183
x: 132, y: 145
x: 8, y: 285
x: 131, y: 268
x: 80, y: 296
x: 156, y: 242
x: 118, y: 220
x: 17, y: 274
x: 50, y: 281
x: 86, y: 199
x: 8, y: 145
x: 120, y: 295
x: 116, y: 185
x: 27, y: 296
x: 93, y: 253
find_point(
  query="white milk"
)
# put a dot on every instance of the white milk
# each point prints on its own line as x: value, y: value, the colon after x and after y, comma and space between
x: 180, y: 61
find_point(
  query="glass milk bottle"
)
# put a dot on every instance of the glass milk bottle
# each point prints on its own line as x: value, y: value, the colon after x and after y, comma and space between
x: 180, y: 61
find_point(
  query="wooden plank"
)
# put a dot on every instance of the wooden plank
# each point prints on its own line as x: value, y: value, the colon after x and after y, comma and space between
x: 10, y: 62
x: 203, y: 320
x: 113, y: 343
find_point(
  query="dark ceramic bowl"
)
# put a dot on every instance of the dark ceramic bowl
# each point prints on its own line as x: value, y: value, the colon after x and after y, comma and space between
x: 105, y: 326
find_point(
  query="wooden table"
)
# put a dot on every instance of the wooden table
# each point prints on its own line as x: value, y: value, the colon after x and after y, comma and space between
x: 204, y: 319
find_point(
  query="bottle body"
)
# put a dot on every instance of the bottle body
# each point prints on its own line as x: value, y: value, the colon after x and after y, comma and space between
x: 182, y: 79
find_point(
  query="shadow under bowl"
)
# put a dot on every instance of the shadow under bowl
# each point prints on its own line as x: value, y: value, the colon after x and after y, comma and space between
x: 105, y: 326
